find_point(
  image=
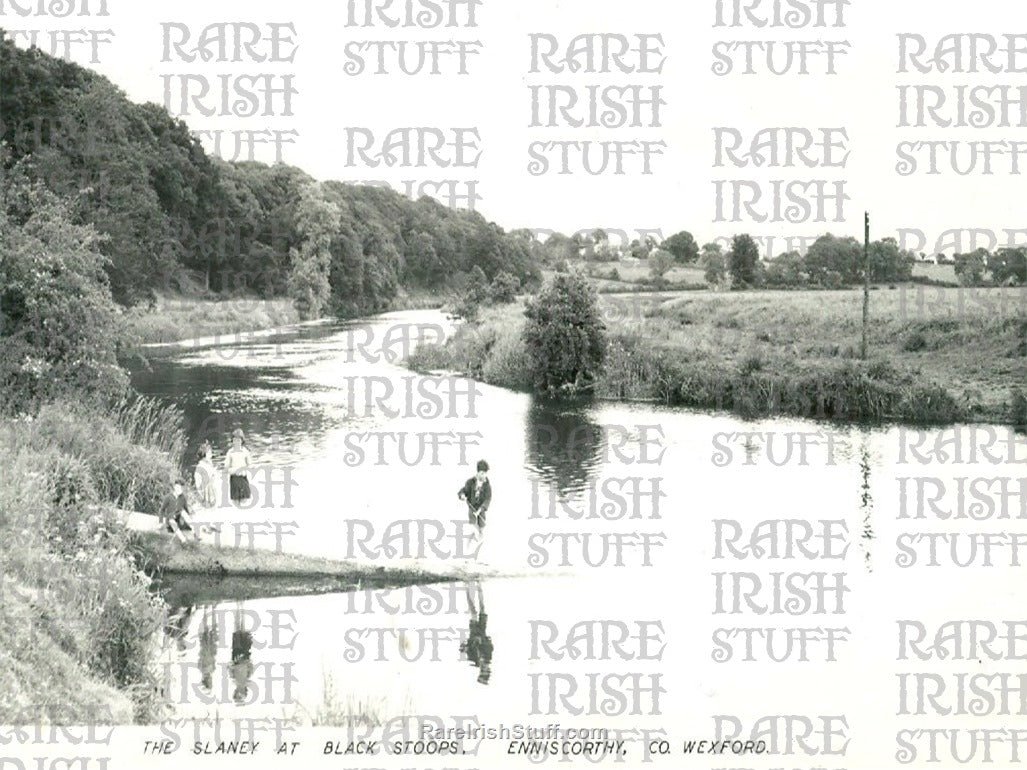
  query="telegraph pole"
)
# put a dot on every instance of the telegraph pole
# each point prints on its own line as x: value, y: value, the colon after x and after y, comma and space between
x: 866, y: 284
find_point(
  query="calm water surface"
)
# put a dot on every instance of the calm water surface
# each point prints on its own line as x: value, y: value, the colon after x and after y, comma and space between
x: 601, y: 512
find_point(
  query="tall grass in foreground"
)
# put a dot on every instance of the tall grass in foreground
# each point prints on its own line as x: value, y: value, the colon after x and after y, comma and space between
x: 126, y: 453
x: 151, y: 423
x: 79, y: 622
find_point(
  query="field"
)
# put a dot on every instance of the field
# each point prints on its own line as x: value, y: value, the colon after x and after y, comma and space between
x: 632, y: 276
x: 972, y: 342
x: 945, y: 273
x: 935, y: 354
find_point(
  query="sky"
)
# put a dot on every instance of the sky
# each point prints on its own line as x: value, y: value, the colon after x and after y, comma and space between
x: 335, y: 107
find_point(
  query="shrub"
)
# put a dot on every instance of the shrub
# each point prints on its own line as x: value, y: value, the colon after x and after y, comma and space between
x: 71, y: 493
x: 1018, y: 402
x: 565, y: 336
x: 504, y: 288
x: 428, y: 357
x: 751, y: 364
x: 61, y: 328
x: 914, y: 341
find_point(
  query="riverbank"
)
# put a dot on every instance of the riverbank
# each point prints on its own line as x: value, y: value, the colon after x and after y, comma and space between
x: 177, y: 318
x: 162, y: 555
x: 181, y: 320
x: 936, y: 356
x: 79, y: 620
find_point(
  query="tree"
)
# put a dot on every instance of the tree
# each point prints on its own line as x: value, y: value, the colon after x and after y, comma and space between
x: 309, y: 284
x: 970, y: 267
x: 786, y: 270
x: 660, y: 261
x: 60, y: 330
x: 835, y: 262
x: 889, y: 263
x: 559, y: 248
x: 565, y: 336
x: 641, y: 249
x: 742, y: 262
x: 472, y: 294
x: 1009, y: 265
x: 713, y: 263
x: 504, y: 288
x: 683, y: 246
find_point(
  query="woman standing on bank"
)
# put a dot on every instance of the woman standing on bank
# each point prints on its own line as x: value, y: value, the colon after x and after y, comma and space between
x: 237, y: 463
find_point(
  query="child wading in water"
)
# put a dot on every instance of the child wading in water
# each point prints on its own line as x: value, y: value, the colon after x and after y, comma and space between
x: 203, y: 477
x: 477, y: 492
x: 237, y: 462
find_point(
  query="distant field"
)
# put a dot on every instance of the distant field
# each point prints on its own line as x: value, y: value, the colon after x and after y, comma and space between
x: 632, y: 274
x: 937, y: 272
x: 971, y: 341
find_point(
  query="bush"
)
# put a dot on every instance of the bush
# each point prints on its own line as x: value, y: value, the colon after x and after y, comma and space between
x: 71, y: 493
x: 751, y: 364
x: 565, y: 336
x: 429, y: 357
x: 504, y: 288
x: 61, y: 328
x: 914, y: 341
x: 1018, y: 403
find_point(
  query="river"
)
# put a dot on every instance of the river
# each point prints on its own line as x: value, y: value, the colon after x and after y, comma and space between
x: 605, y: 515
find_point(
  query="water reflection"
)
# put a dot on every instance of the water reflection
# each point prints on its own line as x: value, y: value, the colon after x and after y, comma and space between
x: 177, y: 628
x: 208, y: 647
x: 563, y: 446
x: 866, y: 500
x: 242, y: 666
x: 478, y: 645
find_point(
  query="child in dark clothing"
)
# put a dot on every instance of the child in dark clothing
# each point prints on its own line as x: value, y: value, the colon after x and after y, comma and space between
x: 175, y: 515
x: 477, y: 492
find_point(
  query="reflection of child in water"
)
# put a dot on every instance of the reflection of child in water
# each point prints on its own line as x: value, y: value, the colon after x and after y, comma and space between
x: 242, y: 666
x: 478, y: 646
x: 208, y: 647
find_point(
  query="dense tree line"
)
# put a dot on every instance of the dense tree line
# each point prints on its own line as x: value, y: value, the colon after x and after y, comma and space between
x: 162, y: 207
x: 830, y: 262
x: 1003, y: 267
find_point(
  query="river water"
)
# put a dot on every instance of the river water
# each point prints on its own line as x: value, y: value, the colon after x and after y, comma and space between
x: 604, y: 515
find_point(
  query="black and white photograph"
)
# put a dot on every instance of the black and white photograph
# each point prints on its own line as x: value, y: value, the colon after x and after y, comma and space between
x: 477, y: 384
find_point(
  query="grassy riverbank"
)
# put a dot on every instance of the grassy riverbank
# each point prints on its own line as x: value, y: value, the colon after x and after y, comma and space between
x: 79, y: 623
x: 178, y: 318
x: 175, y: 318
x: 161, y: 555
x: 936, y: 355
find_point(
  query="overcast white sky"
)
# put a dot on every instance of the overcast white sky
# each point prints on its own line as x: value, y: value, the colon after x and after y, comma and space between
x: 495, y: 99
